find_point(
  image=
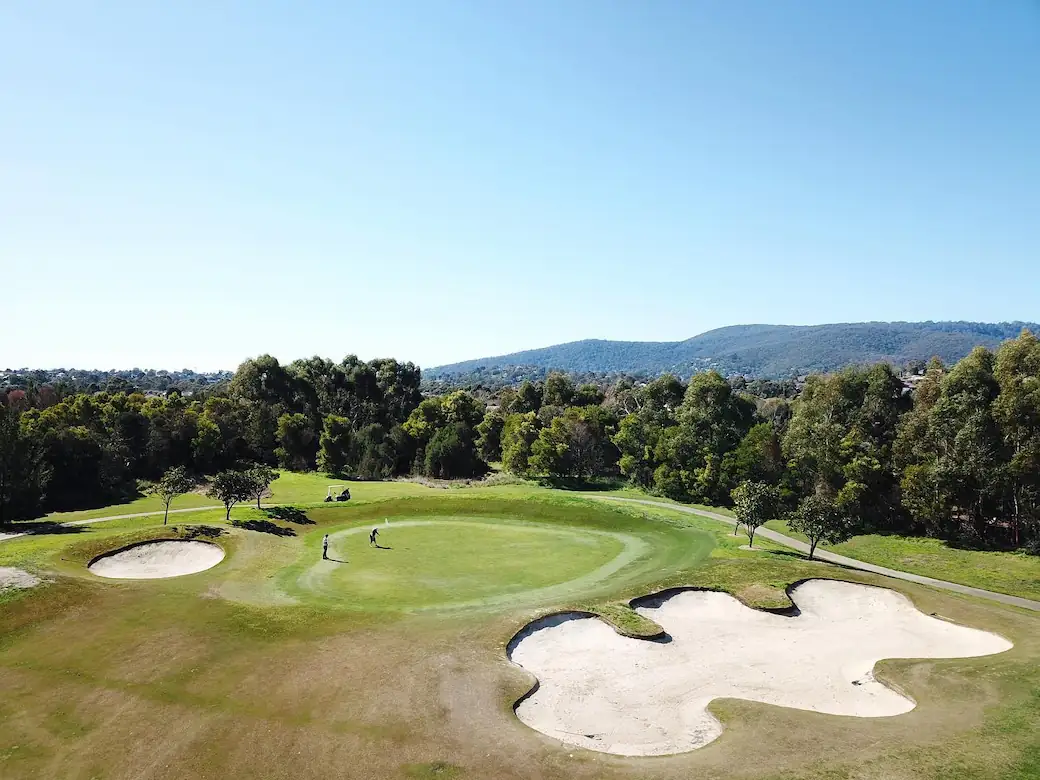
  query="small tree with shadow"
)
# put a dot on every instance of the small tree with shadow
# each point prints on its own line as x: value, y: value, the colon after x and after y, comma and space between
x: 175, y: 482
x: 230, y: 487
x: 820, y: 519
x: 261, y: 477
x: 754, y: 504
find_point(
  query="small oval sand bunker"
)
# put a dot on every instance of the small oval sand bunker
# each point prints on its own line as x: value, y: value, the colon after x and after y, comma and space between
x: 605, y: 692
x: 156, y: 560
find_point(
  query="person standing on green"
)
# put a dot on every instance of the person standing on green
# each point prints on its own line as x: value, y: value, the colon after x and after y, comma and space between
x: 325, y: 548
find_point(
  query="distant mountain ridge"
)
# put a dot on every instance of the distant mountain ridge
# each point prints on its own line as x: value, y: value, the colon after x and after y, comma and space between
x: 766, y: 351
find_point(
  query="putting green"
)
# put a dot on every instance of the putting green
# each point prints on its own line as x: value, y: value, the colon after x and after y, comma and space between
x: 434, y: 562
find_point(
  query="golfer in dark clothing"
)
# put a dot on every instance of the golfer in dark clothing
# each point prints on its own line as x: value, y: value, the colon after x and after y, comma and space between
x: 372, y: 536
x: 325, y: 548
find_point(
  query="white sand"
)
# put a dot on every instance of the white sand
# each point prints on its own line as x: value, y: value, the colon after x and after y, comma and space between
x: 16, y: 578
x: 633, y: 697
x: 154, y: 560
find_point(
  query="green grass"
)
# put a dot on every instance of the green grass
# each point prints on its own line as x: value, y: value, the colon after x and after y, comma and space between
x: 448, y: 561
x: 289, y: 488
x: 275, y: 665
x: 137, y: 506
x: 1017, y: 574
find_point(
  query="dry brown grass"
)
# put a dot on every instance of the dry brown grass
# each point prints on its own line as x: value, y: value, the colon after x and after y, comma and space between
x: 111, y: 685
x: 164, y: 680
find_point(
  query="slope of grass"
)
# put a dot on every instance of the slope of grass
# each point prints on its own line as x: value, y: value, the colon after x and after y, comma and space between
x: 1017, y: 574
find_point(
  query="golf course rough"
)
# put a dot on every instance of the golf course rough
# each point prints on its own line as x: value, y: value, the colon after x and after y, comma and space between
x: 217, y: 674
x: 601, y: 691
x: 157, y: 560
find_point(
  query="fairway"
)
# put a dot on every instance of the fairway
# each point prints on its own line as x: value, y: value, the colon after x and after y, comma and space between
x: 455, y: 562
x: 392, y: 662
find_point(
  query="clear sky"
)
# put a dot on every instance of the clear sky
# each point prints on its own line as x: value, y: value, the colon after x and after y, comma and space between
x: 186, y: 184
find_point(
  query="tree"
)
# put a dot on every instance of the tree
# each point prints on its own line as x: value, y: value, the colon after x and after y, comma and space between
x: 425, y: 419
x: 754, y: 504
x: 297, y: 442
x: 1017, y: 412
x: 651, y: 414
x: 335, y: 444
x: 375, y: 452
x: 230, y: 487
x: 518, y: 435
x: 972, y: 463
x: 712, y: 420
x: 757, y: 458
x: 261, y: 476
x: 918, y: 454
x: 587, y: 395
x: 841, y: 438
x: 637, y: 440
x: 558, y: 390
x: 175, y: 482
x: 549, y: 452
x: 819, y: 518
x: 23, y: 471
x: 576, y: 444
x: 489, y: 436
x: 458, y: 411
x: 452, y: 453
x: 528, y: 398
x: 461, y: 407
x: 265, y: 381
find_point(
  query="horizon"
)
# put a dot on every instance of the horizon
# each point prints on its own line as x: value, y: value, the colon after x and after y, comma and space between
x: 190, y: 188
x: 209, y: 371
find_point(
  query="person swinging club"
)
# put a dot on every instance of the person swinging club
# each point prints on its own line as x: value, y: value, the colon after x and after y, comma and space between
x: 372, y: 537
x: 325, y: 548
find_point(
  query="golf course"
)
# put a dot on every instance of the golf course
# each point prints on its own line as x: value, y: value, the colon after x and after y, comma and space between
x: 404, y: 658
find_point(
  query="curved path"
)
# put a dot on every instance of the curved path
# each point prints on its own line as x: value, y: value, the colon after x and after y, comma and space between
x: 841, y: 560
x: 4, y: 536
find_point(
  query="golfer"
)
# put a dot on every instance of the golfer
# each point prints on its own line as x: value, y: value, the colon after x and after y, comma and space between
x: 325, y: 548
x: 372, y: 536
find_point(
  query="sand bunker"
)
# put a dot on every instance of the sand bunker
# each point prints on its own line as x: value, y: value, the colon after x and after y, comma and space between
x: 154, y: 560
x: 16, y: 578
x: 633, y: 697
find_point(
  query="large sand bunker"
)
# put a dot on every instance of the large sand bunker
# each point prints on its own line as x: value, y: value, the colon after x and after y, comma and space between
x: 154, y: 560
x: 602, y: 691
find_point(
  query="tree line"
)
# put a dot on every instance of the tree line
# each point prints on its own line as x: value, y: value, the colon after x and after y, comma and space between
x: 957, y: 455
x: 65, y: 451
x: 953, y: 454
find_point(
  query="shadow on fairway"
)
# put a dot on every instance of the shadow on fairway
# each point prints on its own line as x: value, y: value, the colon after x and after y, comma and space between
x: 289, y: 514
x: 42, y: 527
x: 334, y: 560
x: 264, y: 527
x: 804, y: 557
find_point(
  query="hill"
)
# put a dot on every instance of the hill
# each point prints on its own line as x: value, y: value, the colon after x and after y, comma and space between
x: 773, y: 351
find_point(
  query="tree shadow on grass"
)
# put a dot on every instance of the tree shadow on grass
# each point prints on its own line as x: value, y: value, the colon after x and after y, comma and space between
x: 804, y: 558
x: 785, y: 553
x: 195, y: 531
x: 585, y: 485
x: 289, y: 514
x: 41, y: 527
x: 264, y: 527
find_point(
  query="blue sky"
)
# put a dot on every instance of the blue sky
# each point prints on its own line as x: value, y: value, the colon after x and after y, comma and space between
x: 188, y: 184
